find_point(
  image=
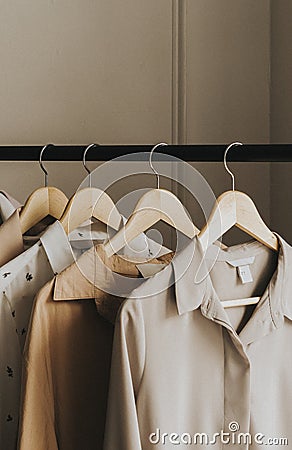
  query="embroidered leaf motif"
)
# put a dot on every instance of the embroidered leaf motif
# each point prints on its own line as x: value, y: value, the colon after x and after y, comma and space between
x: 9, y: 371
x: 9, y: 418
x: 5, y: 275
x: 23, y: 331
x: 28, y: 276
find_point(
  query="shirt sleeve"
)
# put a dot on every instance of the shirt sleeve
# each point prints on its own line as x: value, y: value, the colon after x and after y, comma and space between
x: 128, y: 359
x: 37, y: 424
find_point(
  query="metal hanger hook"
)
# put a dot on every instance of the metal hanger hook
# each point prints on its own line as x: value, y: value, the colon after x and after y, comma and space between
x: 84, y: 160
x: 151, y: 164
x: 41, y: 162
x: 225, y: 162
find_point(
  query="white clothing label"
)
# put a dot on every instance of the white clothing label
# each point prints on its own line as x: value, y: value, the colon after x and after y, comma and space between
x: 245, y: 274
x: 243, y: 269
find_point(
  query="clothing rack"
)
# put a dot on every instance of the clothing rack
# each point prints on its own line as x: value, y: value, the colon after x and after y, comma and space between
x: 195, y: 153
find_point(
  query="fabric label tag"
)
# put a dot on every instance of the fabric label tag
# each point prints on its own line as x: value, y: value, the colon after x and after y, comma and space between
x: 243, y: 269
x: 245, y: 274
x: 148, y: 270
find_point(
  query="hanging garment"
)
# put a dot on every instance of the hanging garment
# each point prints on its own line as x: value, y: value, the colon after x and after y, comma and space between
x: 183, y: 366
x: 20, y: 280
x: 68, y: 351
x: 11, y: 242
x: 8, y: 205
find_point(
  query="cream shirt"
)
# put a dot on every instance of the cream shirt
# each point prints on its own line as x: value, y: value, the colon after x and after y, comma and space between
x: 20, y: 280
x: 182, y: 365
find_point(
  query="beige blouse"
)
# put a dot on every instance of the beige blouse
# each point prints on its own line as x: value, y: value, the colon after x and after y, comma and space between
x: 185, y: 370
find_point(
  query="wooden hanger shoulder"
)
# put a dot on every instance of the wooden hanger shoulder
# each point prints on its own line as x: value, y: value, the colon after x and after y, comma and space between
x: 170, y: 210
x: 236, y: 208
x: 249, y: 220
x: 155, y: 205
x: 41, y: 203
x: 88, y: 203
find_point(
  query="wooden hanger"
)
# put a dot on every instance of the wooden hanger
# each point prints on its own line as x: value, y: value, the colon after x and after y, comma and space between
x: 87, y: 203
x: 157, y: 204
x: 234, y: 208
x: 90, y: 203
x: 42, y: 202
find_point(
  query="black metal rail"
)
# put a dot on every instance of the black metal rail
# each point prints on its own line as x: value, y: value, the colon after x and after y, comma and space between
x: 203, y: 153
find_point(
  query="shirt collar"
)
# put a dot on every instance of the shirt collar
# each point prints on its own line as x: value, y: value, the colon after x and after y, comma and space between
x: 15, y: 203
x: 190, y: 277
x: 7, y: 205
x: 280, y: 287
x: 57, y: 247
x: 188, y: 271
x: 11, y: 242
x: 94, y: 275
x: 54, y: 241
x: 194, y: 288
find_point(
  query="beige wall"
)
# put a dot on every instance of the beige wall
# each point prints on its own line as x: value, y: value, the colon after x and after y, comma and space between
x: 228, y: 64
x: 135, y: 71
x: 138, y: 71
x: 281, y: 63
x: 281, y: 199
x: 281, y: 114
x: 194, y: 71
x: 85, y: 71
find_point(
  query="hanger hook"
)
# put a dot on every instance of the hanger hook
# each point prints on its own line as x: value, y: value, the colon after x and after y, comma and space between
x: 225, y: 162
x: 41, y: 162
x: 151, y: 164
x: 84, y: 160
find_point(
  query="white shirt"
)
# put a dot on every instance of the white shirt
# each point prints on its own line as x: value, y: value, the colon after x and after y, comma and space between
x: 20, y: 280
